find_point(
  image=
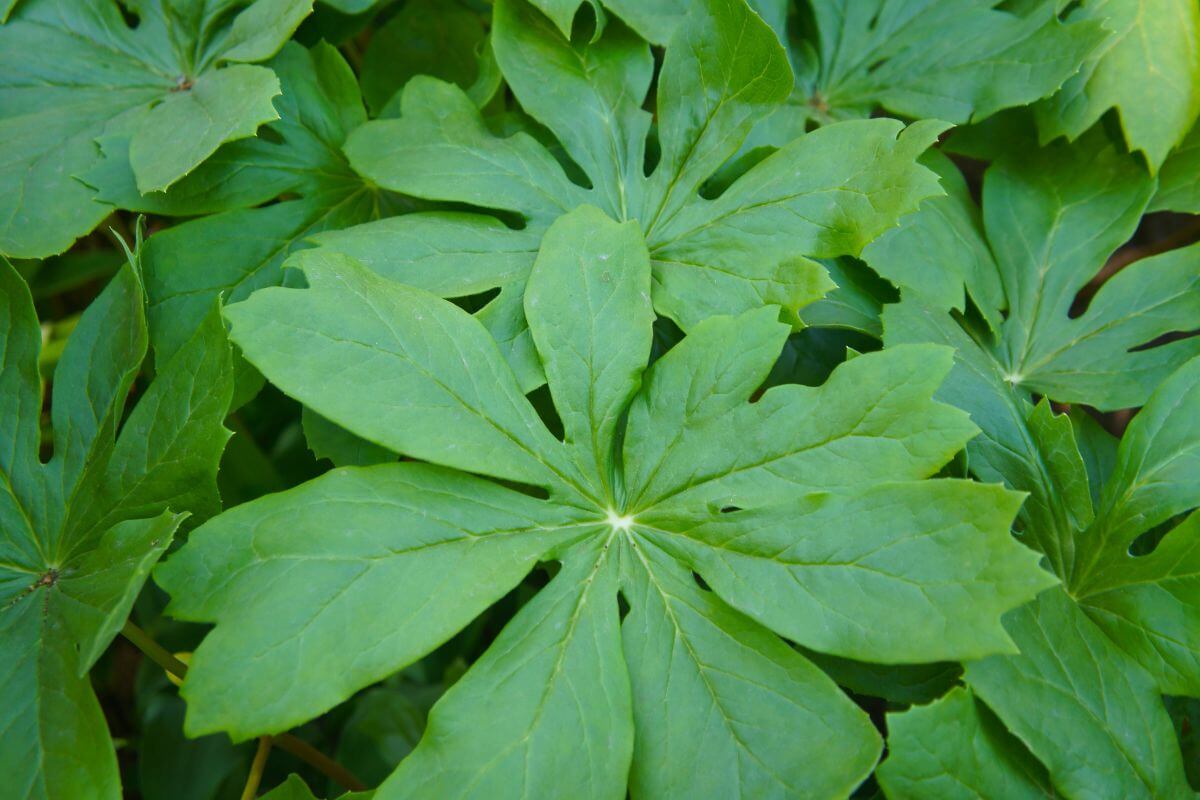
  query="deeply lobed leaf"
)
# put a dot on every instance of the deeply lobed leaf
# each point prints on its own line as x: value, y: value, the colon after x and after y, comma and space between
x: 353, y: 575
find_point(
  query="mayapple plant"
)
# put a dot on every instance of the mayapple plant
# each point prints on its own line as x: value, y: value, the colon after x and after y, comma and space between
x: 599, y: 399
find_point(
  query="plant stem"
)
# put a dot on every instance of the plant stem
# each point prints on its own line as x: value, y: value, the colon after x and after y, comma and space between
x: 153, y: 650
x: 285, y: 741
x: 311, y: 755
x: 256, y: 768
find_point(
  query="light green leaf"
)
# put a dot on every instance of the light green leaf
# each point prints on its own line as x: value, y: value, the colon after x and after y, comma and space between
x: 697, y: 666
x: 594, y: 104
x: 549, y: 701
x: 451, y: 527
x: 562, y: 12
x: 188, y: 126
x: 344, y: 449
x: 872, y: 421
x: 702, y: 119
x: 1052, y: 218
x: 949, y: 59
x: 954, y: 748
x: 1084, y: 694
x: 1148, y: 603
x: 588, y: 267
x: 79, y: 533
x: 781, y: 207
x: 1092, y: 716
x: 1149, y: 71
x: 946, y: 234
x: 455, y: 255
x: 902, y: 580
x: 264, y: 27
x: 825, y: 194
x: 230, y: 254
x: 440, y: 149
x: 426, y: 37
x: 321, y: 591
x: 1179, y: 178
x: 476, y: 420
x: 72, y: 71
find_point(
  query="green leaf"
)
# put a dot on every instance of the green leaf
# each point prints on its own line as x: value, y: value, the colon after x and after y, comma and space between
x: 476, y: 421
x: 903, y: 580
x: 73, y: 70
x: 955, y: 748
x: 547, y: 710
x: 231, y: 254
x: 228, y: 104
x: 455, y: 255
x: 385, y: 726
x: 593, y: 369
x: 455, y: 527
x: 332, y: 586
x: 1092, y: 716
x: 342, y: 448
x: 425, y: 38
x: 1148, y: 603
x: 1084, y: 692
x: 946, y: 59
x: 825, y: 194
x: 947, y: 231
x: 1149, y: 71
x: 81, y: 531
x: 172, y: 767
x: 57, y: 743
x: 896, y: 683
x: 1179, y: 178
x: 953, y: 60
x: 696, y: 664
x: 1052, y: 217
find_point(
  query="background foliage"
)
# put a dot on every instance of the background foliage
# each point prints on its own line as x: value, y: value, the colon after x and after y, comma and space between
x: 582, y: 398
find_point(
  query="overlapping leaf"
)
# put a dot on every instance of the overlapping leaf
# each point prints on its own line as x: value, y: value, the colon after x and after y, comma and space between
x: 953, y: 749
x: 230, y: 254
x: 825, y: 194
x: 948, y: 59
x: 80, y: 532
x: 1050, y: 218
x: 178, y: 85
x: 1149, y: 71
x: 1096, y: 654
x: 952, y: 60
x: 807, y: 512
x: 1179, y: 179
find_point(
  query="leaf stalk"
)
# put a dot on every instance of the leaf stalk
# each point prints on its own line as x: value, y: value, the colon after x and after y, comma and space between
x: 284, y: 741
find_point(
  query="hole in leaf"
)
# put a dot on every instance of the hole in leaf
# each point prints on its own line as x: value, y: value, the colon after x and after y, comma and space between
x: 622, y: 606
x: 473, y: 303
x: 1069, y: 9
x: 583, y: 27
x: 700, y: 582
x: 1147, y: 542
x: 538, y: 492
x: 543, y: 403
x: 129, y: 15
x: 269, y: 134
x: 1166, y: 338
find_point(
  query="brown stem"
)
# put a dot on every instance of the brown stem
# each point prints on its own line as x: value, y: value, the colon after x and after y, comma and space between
x: 284, y: 741
x: 311, y: 755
